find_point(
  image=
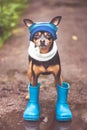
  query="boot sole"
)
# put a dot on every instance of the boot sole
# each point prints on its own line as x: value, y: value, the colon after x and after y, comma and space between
x: 63, y: 118
x: 31, y: 118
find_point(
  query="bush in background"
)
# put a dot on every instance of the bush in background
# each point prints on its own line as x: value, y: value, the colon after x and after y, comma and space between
x: 10, y: 10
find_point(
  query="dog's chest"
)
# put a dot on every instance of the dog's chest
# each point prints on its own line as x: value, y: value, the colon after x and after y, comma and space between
x: 42, y: 70
x: 51, y: 66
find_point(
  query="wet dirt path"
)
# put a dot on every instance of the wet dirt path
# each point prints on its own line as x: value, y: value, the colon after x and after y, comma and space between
x: 72, y: 48
x: 14, y: 121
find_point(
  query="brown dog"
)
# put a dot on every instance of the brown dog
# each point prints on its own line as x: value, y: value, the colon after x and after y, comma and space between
x: 43, y: 53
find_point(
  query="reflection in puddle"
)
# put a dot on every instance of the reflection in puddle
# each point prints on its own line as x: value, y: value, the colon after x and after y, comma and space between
x: 55, y: 126
x: 62, y: 126
x: 32, y: 125
x: 14, y: 121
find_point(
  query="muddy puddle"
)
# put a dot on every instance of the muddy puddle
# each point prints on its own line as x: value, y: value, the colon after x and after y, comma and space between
x: 14, y: 121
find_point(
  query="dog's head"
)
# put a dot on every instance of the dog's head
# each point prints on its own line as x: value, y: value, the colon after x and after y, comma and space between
x: 43, y: 34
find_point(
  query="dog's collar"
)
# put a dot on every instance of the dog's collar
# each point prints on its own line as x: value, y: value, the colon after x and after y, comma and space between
x: 34, y: 52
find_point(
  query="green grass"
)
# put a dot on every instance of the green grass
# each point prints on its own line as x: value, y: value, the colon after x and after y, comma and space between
x: 10, y: 11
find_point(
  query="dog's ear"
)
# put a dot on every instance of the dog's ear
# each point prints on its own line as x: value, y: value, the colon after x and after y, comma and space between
x: 56, y: 20
x: 28, y: 22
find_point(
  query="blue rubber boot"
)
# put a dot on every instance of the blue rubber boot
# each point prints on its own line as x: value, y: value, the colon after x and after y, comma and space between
x: 63, y: 112
x: 32, y: 111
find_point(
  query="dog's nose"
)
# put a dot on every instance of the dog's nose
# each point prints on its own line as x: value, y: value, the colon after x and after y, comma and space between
x: 42, y: 42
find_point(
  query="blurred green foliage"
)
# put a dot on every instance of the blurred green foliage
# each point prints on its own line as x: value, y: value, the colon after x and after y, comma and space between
x: 10, y: 10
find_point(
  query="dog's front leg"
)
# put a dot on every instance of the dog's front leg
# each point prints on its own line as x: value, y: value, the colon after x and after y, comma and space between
x: 58, y: 77
x: 33, y: 79
x: 31, y: 74
x: 32, y: 111
x: 56, y: 71
x: 58, y: 80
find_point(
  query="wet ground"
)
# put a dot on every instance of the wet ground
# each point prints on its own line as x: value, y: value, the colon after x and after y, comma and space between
x: 14, y: 121
x: 72, y: 47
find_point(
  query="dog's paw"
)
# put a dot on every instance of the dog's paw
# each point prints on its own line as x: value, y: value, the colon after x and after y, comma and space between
x: 27, y: 96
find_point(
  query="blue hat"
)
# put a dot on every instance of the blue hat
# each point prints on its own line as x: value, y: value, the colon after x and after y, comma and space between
x: 47, y: 27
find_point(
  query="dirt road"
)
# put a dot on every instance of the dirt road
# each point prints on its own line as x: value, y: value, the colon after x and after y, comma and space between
x: 72, y: 48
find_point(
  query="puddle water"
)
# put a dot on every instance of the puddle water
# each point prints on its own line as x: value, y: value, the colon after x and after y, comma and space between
x: 14, y: 121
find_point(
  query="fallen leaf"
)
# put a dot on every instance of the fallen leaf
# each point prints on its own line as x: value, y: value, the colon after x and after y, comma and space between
x: 74, y: 37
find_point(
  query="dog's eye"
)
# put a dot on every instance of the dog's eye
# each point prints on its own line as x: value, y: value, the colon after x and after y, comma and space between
x: 48, y: 37
x: 36, y: 37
